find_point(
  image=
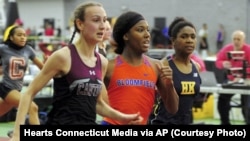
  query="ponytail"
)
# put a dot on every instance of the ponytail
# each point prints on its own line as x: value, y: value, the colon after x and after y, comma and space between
x: 72, y: 37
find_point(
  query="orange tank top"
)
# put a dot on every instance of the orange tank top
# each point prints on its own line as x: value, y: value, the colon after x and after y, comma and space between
x: 132, y: 89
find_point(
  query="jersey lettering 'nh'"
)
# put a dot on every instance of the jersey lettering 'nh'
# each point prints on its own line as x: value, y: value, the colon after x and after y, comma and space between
x: 187, y: 87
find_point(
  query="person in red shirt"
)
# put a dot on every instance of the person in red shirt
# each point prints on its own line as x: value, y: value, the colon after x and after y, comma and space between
x: 49, y: 30
x: 224, y: 62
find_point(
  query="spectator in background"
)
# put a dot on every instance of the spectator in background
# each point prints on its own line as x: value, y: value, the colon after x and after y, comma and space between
x: 58, y: 32
x: 102, y: 46
x: 40, y: 31
x: 18, y: 22
x: 45, y: 45
x: 203, y: 41
x: 225, y: 63
x: 48, y: 30
x: 220, y: 37
x: 28, y: 31
x: 159, y: 40
x: 111, y: 49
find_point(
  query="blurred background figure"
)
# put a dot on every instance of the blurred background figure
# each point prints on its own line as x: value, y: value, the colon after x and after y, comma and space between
x: 220, y: 37
x: 225, y: 63
x: 49, y: 30
x: 104, y: 45
x: 159, y: 40
x: 203, y: 41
